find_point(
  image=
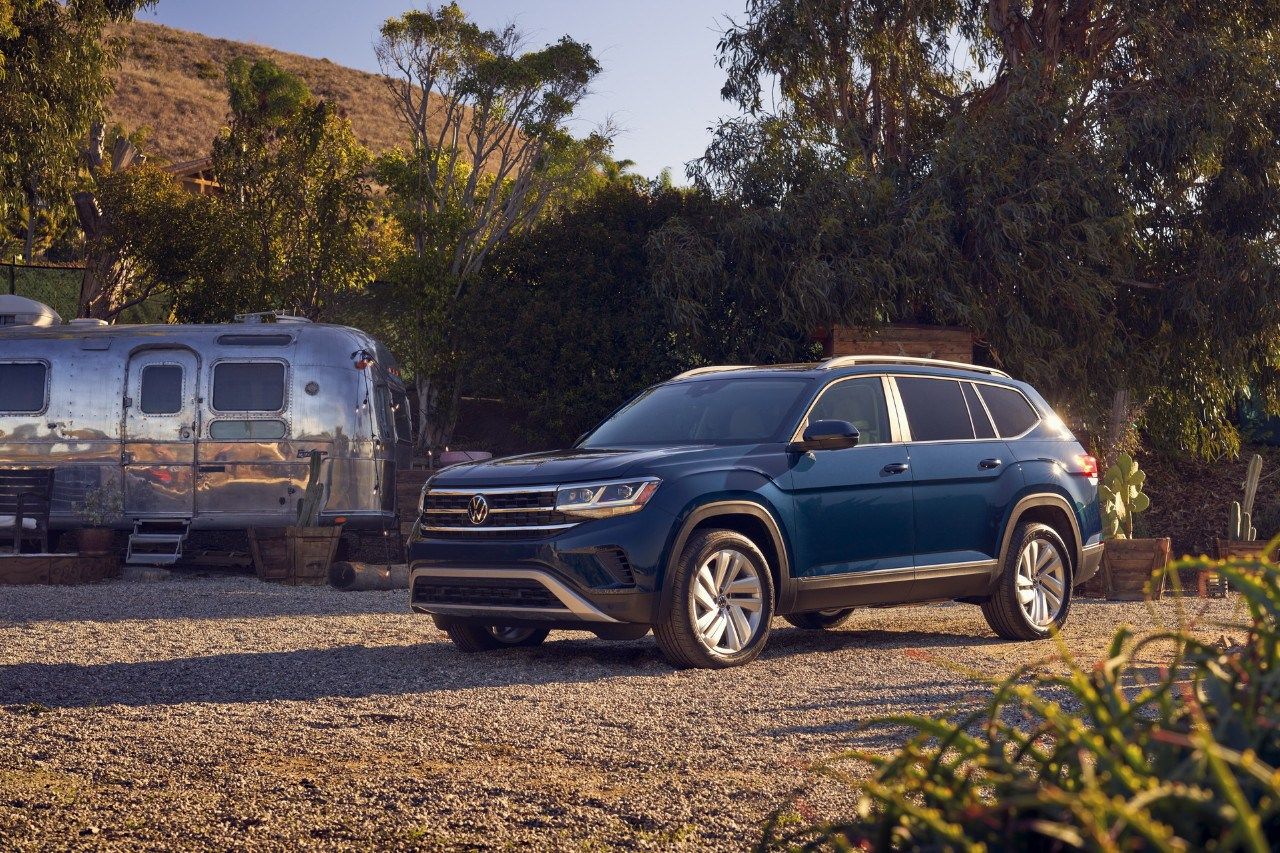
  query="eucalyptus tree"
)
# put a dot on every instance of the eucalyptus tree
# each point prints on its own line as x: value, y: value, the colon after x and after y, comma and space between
x: 488, y: 152
x: 55, y: 74
x: 1086, y: 183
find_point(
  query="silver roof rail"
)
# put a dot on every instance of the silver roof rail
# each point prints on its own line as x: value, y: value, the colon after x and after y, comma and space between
x: 714, y: 368
x: 854, y: 360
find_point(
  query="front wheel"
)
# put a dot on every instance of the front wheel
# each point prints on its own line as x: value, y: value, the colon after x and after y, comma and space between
x: 719, y: 602
x: 1033, y: 594
x: 472, y: 637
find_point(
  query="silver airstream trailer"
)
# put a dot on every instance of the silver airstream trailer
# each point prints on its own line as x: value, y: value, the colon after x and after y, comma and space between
x: 206, y: 427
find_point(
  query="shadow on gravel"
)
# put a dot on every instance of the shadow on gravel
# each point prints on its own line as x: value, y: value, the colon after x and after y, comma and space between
x: 355, y: 671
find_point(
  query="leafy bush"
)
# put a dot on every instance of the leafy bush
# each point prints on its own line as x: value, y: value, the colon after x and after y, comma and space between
x: 1099, y: 757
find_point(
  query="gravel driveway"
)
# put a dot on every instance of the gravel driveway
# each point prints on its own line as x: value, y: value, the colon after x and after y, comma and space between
x: 221, y: 713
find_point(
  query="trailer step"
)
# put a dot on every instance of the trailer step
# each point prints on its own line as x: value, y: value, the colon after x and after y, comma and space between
x: 157, y: 542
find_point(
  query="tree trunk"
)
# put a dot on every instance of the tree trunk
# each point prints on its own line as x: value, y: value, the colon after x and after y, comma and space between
x: 1117, y: 423
x: 28, y: 248
x: 438, y: 404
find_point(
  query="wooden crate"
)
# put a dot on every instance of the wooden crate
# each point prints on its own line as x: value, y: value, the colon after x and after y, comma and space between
x: 58, y: 569
x: 1128, y: 564
x: 294, y: 555
x: 946, y: 342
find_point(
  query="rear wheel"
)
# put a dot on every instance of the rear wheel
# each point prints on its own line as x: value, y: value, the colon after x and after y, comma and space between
x: 471, y: 637
x: 719, y: 603
x: 1033, y: 593
x: 821, y: 620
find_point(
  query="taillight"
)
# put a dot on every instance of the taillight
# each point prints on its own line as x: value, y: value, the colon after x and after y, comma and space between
x: 1086, y: 465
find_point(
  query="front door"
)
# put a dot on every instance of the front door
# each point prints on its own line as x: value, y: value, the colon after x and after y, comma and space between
x: 161, y: 428
x: 853, y: 507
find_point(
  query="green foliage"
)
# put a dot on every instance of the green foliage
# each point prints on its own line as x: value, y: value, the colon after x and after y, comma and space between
x: 569, y: 326
x: 1115, y: 756
x: 102, y: 506
x: 488, y: 156
x: 1121, y: 496
x: 55, y: 64
x: 1092, y: 191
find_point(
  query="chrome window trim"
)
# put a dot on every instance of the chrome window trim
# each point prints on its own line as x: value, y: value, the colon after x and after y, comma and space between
x: 907, y: 428
x: 252, y: 414
x: 48, y: 384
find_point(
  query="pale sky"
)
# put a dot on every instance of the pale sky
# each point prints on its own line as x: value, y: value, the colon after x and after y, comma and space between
x: 660, y: 81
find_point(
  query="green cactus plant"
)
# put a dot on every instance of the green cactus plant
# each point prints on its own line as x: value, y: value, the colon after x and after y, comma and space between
x: 312, y: 499
x: 1240, y: 516
x: 1121, y: 496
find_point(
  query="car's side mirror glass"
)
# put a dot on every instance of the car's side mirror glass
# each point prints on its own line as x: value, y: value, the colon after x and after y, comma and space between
x: 827, y: 435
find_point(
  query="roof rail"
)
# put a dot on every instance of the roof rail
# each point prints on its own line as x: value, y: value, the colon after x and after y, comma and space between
x: 714, y: 368
x: 853, y: 360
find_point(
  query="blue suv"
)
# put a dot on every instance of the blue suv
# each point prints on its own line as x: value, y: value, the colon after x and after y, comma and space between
x: 727, y: 496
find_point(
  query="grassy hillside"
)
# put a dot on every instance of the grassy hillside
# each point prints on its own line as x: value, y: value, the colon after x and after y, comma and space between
x: 172, y: 81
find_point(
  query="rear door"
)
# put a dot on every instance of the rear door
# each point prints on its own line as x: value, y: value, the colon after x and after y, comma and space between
x: 854, y: 532
x: 161, y: 431
x: 964, y: 479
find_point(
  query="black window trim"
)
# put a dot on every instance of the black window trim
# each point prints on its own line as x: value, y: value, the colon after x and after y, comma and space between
x: 253, y: 414
x: 48, y: 381
x: 182, y: 392
x: 893, y: 407
x: 906, y: 427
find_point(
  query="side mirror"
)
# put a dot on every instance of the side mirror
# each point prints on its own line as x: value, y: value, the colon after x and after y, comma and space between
x: 826, y: 435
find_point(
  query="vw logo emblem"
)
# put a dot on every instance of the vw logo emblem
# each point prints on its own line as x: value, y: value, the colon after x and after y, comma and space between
x: 478, y: 509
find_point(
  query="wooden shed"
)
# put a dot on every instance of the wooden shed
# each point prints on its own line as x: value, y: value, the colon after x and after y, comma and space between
x: 946, y: 342
x: 196, y: 176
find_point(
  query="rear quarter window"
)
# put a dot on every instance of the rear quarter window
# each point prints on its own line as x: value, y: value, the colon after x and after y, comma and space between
x: 1009, y: 409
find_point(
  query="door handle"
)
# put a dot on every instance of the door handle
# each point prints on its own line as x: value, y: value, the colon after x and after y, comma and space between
x: 894, y: 468
x: 989, y: 463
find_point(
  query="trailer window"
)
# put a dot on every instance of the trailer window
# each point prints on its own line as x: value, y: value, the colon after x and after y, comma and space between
x: 382, y: 398
x: 248, y: 386
x: 400, y: 409
x: 247, y: 430
x: 23, y: 386
x: 161, y: 389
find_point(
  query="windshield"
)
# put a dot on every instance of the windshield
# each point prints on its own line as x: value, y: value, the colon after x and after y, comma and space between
x: 711, y: 411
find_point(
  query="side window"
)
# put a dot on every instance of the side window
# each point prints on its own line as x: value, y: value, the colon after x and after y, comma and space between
x: 981, y: 423
x: 382, y: 399
x: 161, y: 389
x: 861, y: 403
x: 400, y: 409
x: 23, y: 386
x: 248, y: 386
x: 935, y: 408
x: 1012, y: 413
x: 246, y: 430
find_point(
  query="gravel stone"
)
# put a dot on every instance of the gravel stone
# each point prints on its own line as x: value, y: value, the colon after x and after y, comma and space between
x: 221, y: 713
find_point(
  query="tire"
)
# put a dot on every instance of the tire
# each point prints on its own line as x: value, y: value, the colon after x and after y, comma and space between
x: 741, y: 603
x: 821, y: 620
x: 472, y: 637
x: 1034, y: 573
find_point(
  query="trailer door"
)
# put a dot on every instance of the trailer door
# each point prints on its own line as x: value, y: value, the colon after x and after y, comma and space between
x: 161, y: 426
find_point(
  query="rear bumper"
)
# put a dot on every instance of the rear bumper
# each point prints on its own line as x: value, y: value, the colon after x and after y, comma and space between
x: 1090, y: 561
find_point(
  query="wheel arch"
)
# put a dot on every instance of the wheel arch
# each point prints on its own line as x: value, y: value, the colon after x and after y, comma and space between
x: 752, y: 520
x: 1047, y: 508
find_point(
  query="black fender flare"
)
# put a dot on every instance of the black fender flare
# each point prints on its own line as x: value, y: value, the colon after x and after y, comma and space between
x: 786, y: 591
x: 1037, y: 500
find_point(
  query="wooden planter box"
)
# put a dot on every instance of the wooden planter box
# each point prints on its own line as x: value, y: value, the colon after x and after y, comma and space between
x: 1128, y: 565
x: 294, y: 555
x: 56, y: 569
x: 1211, y: 584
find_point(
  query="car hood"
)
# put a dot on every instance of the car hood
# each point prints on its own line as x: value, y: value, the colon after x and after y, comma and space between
x: 565, y: 466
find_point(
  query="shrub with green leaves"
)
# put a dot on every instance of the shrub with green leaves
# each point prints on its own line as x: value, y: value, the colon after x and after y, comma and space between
x: 1104, y: 757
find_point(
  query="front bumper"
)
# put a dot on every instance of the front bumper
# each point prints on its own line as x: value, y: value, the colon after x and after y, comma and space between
x: 595, y: 573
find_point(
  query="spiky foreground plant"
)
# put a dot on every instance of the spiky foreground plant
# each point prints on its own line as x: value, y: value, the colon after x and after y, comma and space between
x: 1093, y: 757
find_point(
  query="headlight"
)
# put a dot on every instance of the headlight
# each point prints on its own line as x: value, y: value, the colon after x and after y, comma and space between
x: 604, y: 500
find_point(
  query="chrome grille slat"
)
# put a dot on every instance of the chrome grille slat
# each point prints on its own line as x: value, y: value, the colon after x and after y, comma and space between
x: 511, y: 511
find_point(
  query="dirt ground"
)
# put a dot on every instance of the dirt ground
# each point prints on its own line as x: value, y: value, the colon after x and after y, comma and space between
x: 225, y: 713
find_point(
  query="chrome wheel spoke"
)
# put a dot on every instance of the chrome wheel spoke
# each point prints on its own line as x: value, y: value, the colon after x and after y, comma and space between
x: 727, y: 601
x: 1041, y: 582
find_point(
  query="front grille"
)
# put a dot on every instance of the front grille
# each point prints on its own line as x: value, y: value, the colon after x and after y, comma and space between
x: 512, y: 513
x: 483, y: 592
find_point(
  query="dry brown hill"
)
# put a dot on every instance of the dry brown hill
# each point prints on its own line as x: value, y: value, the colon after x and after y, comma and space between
x: 172, y: 81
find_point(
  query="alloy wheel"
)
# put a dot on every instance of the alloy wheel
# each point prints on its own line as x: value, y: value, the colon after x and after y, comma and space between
x: 728, y: 601
x: 511, y: 633
x: 1042, y: 582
